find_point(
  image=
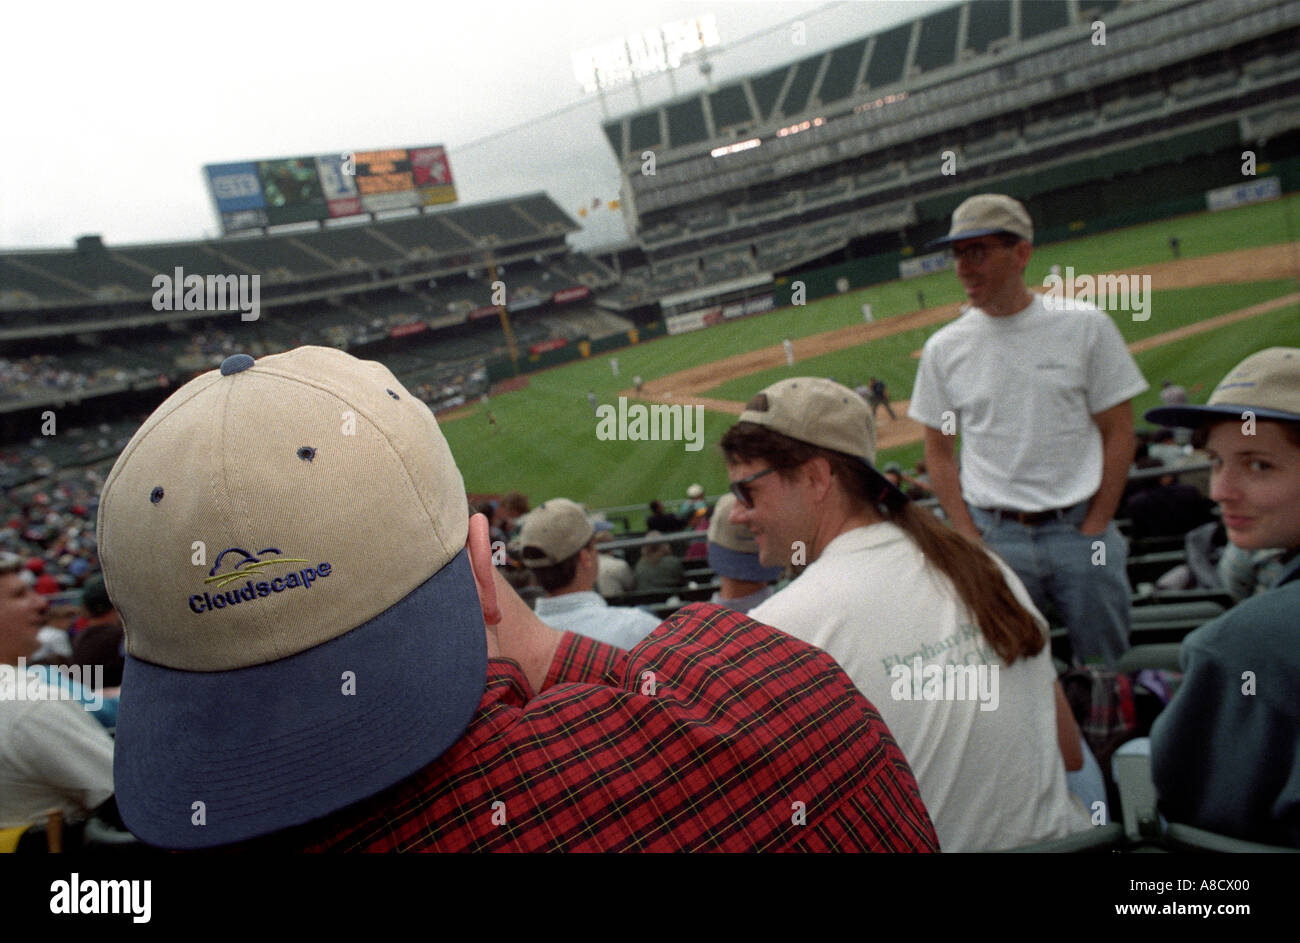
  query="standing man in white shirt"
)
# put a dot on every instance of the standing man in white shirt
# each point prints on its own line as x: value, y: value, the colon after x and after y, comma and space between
x: 1042, y: 399
x: 558, y: 544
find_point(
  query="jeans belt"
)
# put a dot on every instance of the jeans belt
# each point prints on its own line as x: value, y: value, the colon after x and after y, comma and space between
x: 1029, y: 518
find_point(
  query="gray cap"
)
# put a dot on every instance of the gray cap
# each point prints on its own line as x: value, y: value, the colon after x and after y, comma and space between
x: 985, y: 215
x: 558, y: 528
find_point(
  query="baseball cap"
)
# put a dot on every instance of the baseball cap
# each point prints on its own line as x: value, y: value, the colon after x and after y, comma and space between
x: 284, y: 540
x: 1267, y: 383
x: 733, y: 552
x: 557, y: 529
x: 824, y: 413
x: 985, y: 214
x: 695, y: 491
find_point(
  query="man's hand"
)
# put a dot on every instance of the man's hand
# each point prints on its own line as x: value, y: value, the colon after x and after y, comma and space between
x: 1118, y: 445
x: 945, y: 482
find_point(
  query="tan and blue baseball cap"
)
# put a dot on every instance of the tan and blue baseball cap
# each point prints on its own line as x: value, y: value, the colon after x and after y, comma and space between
x: 554, y: 531
x: 1267, y: 384
x: 733, y: 552
x: 285, y: 542
x: 987, y: 214
x: 827, y: 414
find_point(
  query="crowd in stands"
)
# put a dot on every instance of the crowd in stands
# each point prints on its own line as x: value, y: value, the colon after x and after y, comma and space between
x: 837, y: 618
x: 42, y: 375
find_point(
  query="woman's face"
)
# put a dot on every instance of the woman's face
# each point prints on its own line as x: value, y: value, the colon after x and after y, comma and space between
x: 1256, y: 481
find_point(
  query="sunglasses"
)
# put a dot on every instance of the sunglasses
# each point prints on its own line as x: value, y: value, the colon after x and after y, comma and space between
x: 741, y: 488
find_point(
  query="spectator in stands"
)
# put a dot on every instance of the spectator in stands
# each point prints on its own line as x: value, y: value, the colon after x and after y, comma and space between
x: 558, y: 544
x: 569, y: 743
x: 1224, y: 753
x: 1171, y: 394
x: 733, y: 556
x: 893, y: 594
x: 52, y: 752
x: 699, y: 522
x: 615, y: 576
x: 1168, y: 508
x: 1043, y: 405
x: 694, y: 502
x: 660, y: 520
x: 659, y: 567
x: 101, y: 640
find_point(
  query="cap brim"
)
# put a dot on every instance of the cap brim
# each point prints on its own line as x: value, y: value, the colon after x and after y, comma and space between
x: 969, y: 234
x: 1192, y: 417
x: 883, y: 489
x: 738, y: 565
x: 277, y: 745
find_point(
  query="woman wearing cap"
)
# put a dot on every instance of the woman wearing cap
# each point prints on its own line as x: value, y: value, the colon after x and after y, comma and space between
x: 1225, y: 754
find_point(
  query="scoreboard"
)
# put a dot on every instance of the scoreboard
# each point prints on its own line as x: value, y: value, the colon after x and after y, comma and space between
x: 254, y: 194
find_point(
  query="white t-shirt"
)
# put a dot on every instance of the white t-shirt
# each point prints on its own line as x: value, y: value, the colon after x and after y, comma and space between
x: 990, y: 779
x: 1024, y: 389
x: 53, y: 754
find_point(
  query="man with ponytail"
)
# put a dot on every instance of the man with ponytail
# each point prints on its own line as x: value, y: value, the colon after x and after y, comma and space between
x: 895, y: 597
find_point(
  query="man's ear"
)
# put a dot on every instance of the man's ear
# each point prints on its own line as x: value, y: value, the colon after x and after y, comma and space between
x: 818, y: 470
x: 479, y: 544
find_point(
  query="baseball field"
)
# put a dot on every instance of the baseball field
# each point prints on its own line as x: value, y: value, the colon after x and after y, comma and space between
x: 1235, y: 289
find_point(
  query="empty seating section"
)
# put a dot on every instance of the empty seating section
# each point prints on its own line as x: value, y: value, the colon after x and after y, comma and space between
x: 1042, y: 16
x: 766, y: 208
x: 349, y: 242
x: 937, y: 45
x: 1127, y: 107
x: 93, y: 270
x: 427, y: 232
x: 766, y: 87
x: 1196, y: 86
x: 643, y: 131
x: 989, y: 21
x: 840, y: 79
x: 686, y: 123
x: 195, y: 259
x: 873, y: 179
x: 542, y: 210
x: 497, y: 220
x: 1054, y: 127
x: 887, y: 59
x: 274, y: 254
x: 985, y: 147
x: 730, y: 263
x: 836, y: 189
x: 25, y: 283
x: 796, y: 96
x: 730, y: 107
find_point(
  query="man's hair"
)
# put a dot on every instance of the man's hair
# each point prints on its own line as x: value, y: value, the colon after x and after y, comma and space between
x: 516, y: 503
x: 1009, y: 239
x: 1290, y: 429
x: 1006, y: 624
x: 561, y: 574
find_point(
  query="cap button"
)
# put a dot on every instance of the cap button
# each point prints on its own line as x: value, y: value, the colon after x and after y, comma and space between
x: 235, y: 363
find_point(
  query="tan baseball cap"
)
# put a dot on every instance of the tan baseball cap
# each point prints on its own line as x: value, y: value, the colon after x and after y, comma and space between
x: 276, y: 531
x: 824, y: 413
x: 817, y: 411
x: 1267, y: 384
x: 984, y: 215
x: 557, y: 529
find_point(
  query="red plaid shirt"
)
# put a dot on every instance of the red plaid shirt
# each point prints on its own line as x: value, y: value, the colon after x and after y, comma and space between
x: 750, y: 741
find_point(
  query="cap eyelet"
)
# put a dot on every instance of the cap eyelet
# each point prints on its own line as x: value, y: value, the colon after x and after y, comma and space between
x: 156, y: 495
x: 392, y: 394
x: 306, y: 453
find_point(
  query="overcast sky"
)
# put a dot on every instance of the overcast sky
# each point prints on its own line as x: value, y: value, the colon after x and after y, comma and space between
x: 111, y: 109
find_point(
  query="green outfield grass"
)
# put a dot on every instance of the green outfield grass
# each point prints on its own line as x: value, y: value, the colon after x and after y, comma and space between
x: 545, y: 443
x: 890, y: 358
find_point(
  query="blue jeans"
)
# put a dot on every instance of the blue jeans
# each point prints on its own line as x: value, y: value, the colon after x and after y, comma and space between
x: 1059, y: 564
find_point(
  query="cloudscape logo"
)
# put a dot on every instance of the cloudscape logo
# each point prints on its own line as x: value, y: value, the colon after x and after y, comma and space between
x: 252, y: 565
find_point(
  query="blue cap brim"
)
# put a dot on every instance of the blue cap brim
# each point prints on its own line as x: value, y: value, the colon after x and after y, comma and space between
x: 1193, y: 417
x: 738, y: 565
x: 277, y: 745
